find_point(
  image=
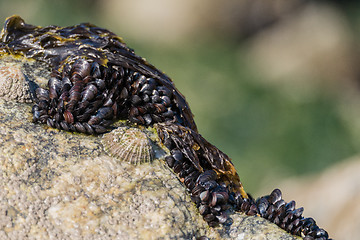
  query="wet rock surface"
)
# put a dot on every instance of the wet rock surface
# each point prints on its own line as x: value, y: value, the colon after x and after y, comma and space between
x: 60, y: 185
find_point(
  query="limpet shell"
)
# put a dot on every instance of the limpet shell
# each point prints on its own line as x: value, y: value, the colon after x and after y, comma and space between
x: 128, y: 144
x: 13, y: 84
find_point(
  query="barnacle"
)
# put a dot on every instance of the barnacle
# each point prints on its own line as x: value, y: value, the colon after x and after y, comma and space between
x: 96, y: 79
x: 13, y: 84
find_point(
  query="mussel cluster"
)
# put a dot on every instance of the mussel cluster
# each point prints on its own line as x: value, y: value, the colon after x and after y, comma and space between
x: 86, y: 97
x: 273, y: 208
x: 205, y: 172
x: 96, y: 79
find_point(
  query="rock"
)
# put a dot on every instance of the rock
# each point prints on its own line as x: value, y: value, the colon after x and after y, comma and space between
x: 60, y: 185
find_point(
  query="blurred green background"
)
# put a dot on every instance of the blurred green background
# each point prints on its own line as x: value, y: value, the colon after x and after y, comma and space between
x: 273, y: 124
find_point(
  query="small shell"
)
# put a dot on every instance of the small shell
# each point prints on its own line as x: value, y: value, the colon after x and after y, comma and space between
x: 275, y: 196
x: 128, y: 144
x: 13, y: 84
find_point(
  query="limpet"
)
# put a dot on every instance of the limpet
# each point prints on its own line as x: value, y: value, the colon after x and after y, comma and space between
x: 128, y: 144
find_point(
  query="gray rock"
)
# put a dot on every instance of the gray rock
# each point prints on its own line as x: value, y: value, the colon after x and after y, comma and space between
x: 60, y: 185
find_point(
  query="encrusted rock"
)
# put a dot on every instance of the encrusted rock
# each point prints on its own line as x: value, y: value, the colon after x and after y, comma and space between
x: 60, y: 185
x: 13, y: 84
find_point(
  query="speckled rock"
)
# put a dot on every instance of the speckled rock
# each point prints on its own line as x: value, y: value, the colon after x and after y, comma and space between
x: 60, y: 185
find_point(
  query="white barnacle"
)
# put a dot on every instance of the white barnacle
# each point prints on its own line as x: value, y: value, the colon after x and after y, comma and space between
x: 13, y: 84
x: 128, y: 144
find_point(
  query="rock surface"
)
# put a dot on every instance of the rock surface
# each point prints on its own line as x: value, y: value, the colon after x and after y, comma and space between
x: 60, y: 185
